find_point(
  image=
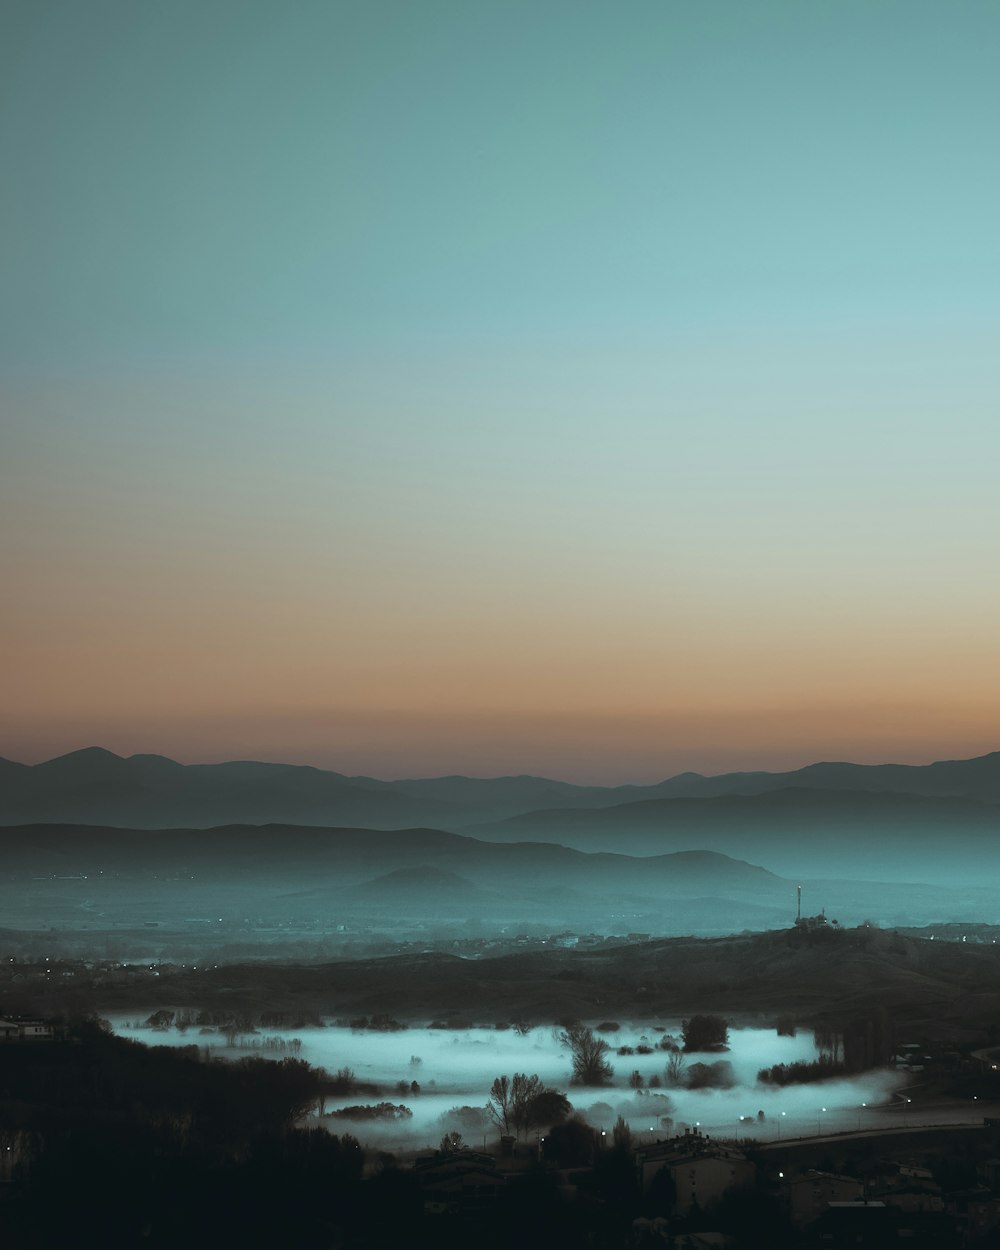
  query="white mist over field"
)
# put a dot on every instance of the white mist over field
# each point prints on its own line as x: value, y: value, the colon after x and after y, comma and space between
x: 454, y: 1069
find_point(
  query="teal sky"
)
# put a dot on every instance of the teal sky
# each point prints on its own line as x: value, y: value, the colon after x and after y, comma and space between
x: 421, y: 387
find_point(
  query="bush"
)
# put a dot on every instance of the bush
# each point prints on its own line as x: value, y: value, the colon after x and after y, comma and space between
x: 705, y: 1033
x: 717, y: 1075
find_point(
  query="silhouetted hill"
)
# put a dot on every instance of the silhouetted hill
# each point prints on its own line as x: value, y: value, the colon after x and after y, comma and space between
x: 95, y: 786
x: 426, y: 891
x: 797, y: 831
x: 974, y: 778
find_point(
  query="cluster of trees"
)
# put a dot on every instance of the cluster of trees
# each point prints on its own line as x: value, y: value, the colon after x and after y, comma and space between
x: 95, y: 1074
x: 379, y: 1023
x: 678, y: 1074
x: 227, y: 1022
x: 705, y: 1032
x: 523, y: 1102
x: 376, y: 1111
x: 699, y: 1033
x: 801, y: 1072
x: 272, y: 1042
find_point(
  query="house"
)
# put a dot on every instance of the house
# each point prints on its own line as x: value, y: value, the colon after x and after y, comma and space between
x: 459, y: 1181
x: 808, y: 1195
x: 701, y: 1169
x: 34, y: 1029
x: 24, y: 1029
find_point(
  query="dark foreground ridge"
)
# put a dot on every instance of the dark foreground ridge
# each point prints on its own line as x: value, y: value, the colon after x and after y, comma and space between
x: 948, y: 988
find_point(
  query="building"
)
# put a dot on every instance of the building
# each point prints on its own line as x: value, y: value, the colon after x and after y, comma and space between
x: 24, y: 1029
x: 701, y: 1169
x: 458, y: 1182
x: 808, y: 1195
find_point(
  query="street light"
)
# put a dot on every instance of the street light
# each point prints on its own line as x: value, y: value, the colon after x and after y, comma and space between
x: 819, y: 1123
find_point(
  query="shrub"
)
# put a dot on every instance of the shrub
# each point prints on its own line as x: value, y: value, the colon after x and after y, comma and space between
x: 718, y: 1075
x: 705, y: 1033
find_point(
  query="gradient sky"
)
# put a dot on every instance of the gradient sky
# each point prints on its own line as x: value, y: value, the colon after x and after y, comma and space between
x: 599, y: 390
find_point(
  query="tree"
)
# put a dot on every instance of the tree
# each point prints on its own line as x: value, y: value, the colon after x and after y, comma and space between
x: 523, y: 1089
x: 547, y: 1108
x: 589, y: 1065
x: 828, y: 1042
x: 636, y: 1080
x: 571, y: 1144
x: 500, y: 1106
x: 521, y: 1102
x: 705, y: 1033
x: 673, y: 1074
x: 452, y: 1143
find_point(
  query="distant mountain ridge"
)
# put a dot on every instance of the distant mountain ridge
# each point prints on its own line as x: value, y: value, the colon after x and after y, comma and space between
x: 95, y: 786
x: 825, y: 820
x: 76, y: 877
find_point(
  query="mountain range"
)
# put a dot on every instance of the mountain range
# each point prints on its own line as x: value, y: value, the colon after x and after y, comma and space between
x: 889, y: 821
x: 281, y: 879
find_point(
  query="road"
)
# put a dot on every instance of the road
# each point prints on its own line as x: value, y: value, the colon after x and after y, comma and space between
x: 906, y: 1113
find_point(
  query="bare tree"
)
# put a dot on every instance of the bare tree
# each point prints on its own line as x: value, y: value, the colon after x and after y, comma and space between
x: 589, y: 1065
x: 521, y: 1102
x: 500, y: 1106
x: 523, y: 1089
x: 673, y: 1074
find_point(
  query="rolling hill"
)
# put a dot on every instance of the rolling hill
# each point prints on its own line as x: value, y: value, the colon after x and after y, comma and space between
x: 94, y: 786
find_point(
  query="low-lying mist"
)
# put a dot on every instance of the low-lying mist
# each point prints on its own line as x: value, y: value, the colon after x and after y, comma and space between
x: 447, y: 1076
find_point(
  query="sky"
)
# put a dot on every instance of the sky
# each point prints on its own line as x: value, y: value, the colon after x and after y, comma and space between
x: 597, y: 390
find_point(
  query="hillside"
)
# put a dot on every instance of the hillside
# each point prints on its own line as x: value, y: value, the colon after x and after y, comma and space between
x: 948, y: 989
